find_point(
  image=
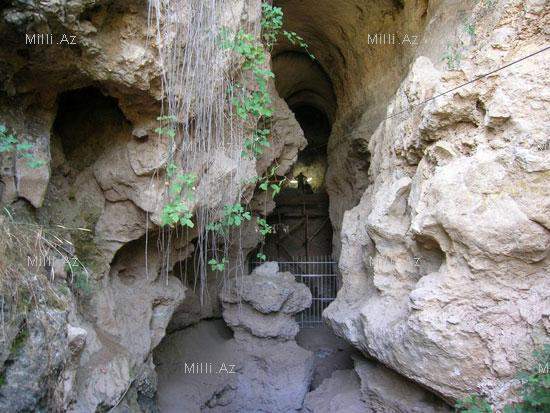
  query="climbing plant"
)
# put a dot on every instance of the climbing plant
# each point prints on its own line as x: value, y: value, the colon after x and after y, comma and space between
x: 270, y: 181
x: 233, y: 216
x: 176, y: 210
x: 535, y: 390
x: 199, y: 97
x: 252, y: 103
x: 10, y: 143
x: 180, y: 185
x: 216, y: 265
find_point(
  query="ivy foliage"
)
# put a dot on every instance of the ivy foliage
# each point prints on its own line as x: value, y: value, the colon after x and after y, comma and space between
x: 180, y: 185
x: 216, y: 265
x: 233, y: 216
x: 535, y: 390
x: 252, y: 102
x: 10, y: 143
x: 272, y: 23
x: 296, y: 40
x: 270, y: 181
x: 264, y: 227
x: 253, y: 105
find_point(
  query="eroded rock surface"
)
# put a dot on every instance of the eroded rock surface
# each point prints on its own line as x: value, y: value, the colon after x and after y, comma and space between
x: 90, y: 110
x: 371, y: 388
x: 445, y: 260
x: 338, y: 393
x: 263, y: 303
x: 36, y: 353
x: 271, y: 372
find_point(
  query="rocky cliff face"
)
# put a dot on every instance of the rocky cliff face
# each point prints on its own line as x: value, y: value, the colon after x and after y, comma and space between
x: 89, y: 106
x: 445, y: 260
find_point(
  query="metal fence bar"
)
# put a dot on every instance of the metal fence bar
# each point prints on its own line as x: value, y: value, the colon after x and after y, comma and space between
x: 319, y: 275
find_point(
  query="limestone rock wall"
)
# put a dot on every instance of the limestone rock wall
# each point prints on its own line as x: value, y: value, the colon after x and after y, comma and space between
x: 89, y: 106
x: 371, y: 387
x: 445, y: 259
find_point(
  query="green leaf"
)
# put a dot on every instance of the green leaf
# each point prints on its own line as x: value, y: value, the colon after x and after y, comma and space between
x: 171, y: 169
x: 35, y: 164
x: 166, y: 118
x: 25, y: 146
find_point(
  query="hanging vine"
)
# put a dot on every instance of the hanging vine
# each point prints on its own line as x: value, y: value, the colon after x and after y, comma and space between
x: 234, y: 116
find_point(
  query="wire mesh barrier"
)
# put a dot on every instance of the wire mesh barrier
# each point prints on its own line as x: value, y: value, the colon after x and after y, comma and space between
x: 319, y: 274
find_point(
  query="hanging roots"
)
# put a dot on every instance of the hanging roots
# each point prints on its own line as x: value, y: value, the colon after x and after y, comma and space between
x: 197, y: 74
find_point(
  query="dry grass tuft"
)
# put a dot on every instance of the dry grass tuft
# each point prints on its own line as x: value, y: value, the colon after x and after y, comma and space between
x: 34, y: 262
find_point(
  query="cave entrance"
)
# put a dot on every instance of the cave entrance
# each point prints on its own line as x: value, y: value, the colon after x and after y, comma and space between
x: 301, y: 241
x: 300, y: 220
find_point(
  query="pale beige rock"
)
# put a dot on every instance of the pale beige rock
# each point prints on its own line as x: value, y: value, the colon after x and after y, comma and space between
x: 76, y: 337
x: 120, y: 223
x: 445, y: 259
x: 147, y: 154
x: 338, y: 393
x: 384, y: 391
x: 263, y: 304
x: 371, y: 387
x: 132, y: 307
x: 32, y: 182
x: 287, y: 138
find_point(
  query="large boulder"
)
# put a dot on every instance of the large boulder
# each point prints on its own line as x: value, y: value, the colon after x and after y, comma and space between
x: 385, y: 391
x: 264, y: 303
x: 371, y: 387
x: 268, y: 371
x: 445, y: 259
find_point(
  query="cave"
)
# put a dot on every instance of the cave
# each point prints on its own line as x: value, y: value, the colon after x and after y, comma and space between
x: 300, y: 220
x: 338, y: 98
x: 274, y: 206
x: 325, y: 94
x: 87, y: 124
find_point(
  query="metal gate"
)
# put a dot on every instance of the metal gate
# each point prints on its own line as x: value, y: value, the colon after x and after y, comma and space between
x: 319, y: 274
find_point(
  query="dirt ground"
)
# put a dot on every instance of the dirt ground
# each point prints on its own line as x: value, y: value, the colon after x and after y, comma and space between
x: 331, y: 352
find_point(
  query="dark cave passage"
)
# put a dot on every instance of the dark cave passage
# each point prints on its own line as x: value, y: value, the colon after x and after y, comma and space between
x: 301, y: 220
x: 87, y: 124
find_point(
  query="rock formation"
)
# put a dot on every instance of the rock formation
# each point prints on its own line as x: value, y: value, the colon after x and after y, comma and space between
x: 439, y: 203
x: 89, y: 108
x: 371, y: 387
x: 445, y: 259
x: 271, y: 372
